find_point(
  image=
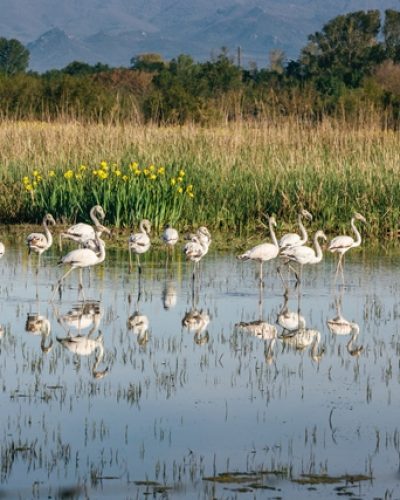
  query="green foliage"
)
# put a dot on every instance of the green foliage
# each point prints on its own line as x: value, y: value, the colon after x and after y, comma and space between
x: 14, y: 57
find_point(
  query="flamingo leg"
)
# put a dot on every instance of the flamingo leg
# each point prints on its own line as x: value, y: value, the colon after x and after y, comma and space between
x: 130, y: 259
x: 138, y: 263
x: 59, y: 282
x: 261, y: 273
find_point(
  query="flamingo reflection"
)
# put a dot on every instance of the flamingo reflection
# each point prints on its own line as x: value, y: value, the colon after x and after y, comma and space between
x: 340, y: 326
x: 36, y: 324
x: 197, y: 321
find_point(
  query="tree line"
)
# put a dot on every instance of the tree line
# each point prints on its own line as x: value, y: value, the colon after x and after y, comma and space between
x: 348, y: 69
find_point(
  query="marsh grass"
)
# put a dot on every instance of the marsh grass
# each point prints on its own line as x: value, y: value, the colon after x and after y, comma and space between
x: 238, y: 172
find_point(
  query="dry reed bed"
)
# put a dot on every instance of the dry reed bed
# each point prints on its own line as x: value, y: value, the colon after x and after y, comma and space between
x: 238, y: 171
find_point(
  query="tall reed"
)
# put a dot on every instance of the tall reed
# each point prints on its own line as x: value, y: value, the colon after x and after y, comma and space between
x: 237, y: 171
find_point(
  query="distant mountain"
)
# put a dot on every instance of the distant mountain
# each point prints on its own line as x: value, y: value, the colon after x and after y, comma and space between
x: 113, y: 31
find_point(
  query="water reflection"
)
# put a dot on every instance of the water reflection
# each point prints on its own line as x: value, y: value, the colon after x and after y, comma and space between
x: 36, y: 324
x: 169, y: 295
x: 139, y: 324
x: 82, y: 315
x: 197, y: 321
x: 340, y: 326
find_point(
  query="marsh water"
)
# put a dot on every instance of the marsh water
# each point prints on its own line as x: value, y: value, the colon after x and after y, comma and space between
x: 176, y: 390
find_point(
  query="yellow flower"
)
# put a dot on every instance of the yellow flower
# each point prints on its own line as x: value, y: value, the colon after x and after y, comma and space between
x: 95, y: 172
x: 52, y: 173
x: 180, y: 190
x: 103, y: 175
x: 133, y: 166
x: 34, y: 183
x: 36, y: 173
x: 181, y: 173
x: 28, y: 187
x: 104, y: 165
x: 82, y: 168
x: 146, y: 171
x: 190, y: 194
x: 161, y: 171
x: 25, y: 180
x: 153, y: 177
x: 69, y: 174
x: 125, y: 178
x: 79, y: 176
x: 38, y: 178
x: 179, y: 179
x: 118, y: 173
x: 173, y: 181
x: 138, y: 172
x: 152, y: 168
x: 189, y: 188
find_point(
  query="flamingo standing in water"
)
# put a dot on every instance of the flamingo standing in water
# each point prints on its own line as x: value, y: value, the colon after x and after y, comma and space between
x: 305, y: 255
x: 197, y: 247
x: 83, y: 232
x: 40, y: 242
x: 139, y: 243
x: 170, y: 236
x: 80, y: 258
x: 265, y: 251
x: 341, y: 244
x: 294, y: 239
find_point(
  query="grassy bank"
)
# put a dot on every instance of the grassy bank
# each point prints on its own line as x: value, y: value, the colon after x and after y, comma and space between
x: 223, y: 177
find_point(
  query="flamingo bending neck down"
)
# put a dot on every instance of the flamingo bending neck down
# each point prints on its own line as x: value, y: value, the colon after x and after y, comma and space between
x: 265, y: 251
x: 341, y: 244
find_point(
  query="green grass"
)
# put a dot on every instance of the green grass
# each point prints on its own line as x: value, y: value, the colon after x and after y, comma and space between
x: 235, y: 173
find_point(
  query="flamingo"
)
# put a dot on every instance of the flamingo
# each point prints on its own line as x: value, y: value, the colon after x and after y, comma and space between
x: 170, y: 236
x: 2, y: 249
x: 39, y: 242
x: 305, y: 255
x: 265, y: 251
x: 82, y: 232
x: 197, y: 248
x: 341, y: 244
x: 139, y: 243
x: 293, y: 239
x: 80, y: 258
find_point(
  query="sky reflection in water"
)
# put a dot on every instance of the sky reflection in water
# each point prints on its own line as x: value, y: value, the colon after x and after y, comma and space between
x: 170, y: 387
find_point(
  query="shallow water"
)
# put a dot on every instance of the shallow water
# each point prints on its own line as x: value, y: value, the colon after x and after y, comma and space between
x: 190, y: 396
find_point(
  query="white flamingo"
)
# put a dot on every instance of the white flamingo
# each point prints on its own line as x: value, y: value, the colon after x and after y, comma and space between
x: 294, y: 239
x: 39, y: 242
x: 305, y: 255
x: 265, y: 251
x: 83, y: 232
x: 170, y: 236
x: 80, y: 258
x: 2, y: 249
x: 341, y: 244
x: 139, y: 243
x: 197, y: 248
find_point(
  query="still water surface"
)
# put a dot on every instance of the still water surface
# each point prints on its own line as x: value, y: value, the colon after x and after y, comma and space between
x: 165, y: 388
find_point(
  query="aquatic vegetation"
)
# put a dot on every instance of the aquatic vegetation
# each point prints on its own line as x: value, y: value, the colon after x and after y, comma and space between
x: 127, y: 192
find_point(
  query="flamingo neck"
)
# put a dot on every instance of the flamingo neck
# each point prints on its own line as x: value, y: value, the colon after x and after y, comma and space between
x: 273, y: 236
x: 304, y: 235
x: 318, y: 249
x: 94, y: 218
x: 357, y: 241
x: 48, y: 234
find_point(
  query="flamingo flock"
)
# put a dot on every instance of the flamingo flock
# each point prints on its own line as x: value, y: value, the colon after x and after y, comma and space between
x: 290, y: 249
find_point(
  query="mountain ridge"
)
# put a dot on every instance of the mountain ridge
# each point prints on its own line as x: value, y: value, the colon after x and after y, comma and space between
x: 113, y: 32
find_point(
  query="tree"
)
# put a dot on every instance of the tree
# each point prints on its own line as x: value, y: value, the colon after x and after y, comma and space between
x: 82, y: 68
x: 344, y: 51
x: 150, y: 62
x: 391, y: 33
x: 14, y: 57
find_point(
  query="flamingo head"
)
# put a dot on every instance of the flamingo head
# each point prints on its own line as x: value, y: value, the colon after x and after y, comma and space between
x: 99, y: 212
x: 49, y: 219
x: 360, y: 217
x: 306, y: 214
